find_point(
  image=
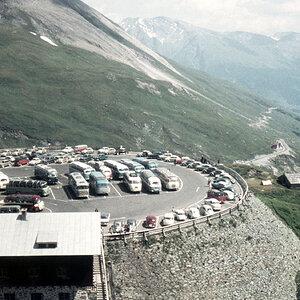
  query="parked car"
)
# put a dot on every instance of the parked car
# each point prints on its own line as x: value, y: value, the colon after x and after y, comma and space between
x: 35, y: 161
x: 145, y: 153
x: 154, y: 155
x: 180, y: 214
x: 10, y: 158
x: 68, y: 149
x: 103, y: 150
x: 193, y: 213
x: 117, y: 227
x: 21, y: 160
x: 5, y: 163
x: 214, y: 203
x: 150, y: 222
x: 219, y: 195
x: 230, y: 195
x: 168, y: 219
x: 206, y: 210
x: 121, y: 150
x: 131, y: 225
x: 105, y: 217
x: 187, y: 162
x: 230, y: 188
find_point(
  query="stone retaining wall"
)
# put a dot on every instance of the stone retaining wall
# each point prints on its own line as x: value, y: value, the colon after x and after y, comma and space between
x: 251, y: 255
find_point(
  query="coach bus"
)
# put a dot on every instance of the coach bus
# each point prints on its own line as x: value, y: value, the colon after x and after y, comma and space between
x: 28, y: 187
x: 84, y: 169
x: 10, y: 208
x: 133, y: 165
x: 133, y: 182
x: 99, y: 184
x: 148, y: 164
x: 169, y: 180
x: 118, y: 169
x: 78, y: 185
x: 150, y: 181
x: 33, y: 203
x: 46, y: 173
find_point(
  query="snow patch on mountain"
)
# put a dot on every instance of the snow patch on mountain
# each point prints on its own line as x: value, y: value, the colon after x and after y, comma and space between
x: 44, y: 38
x: 76, y: 24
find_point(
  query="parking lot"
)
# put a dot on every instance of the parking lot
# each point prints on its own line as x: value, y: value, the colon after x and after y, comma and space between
x: 120, y: 203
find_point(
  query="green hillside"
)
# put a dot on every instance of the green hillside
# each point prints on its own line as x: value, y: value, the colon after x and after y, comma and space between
x: 68, y: 95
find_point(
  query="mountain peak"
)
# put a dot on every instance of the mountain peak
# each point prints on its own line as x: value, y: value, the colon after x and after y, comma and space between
x: 73, y: 23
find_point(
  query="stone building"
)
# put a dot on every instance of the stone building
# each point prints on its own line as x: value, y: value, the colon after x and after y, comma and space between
x: 49, y: 256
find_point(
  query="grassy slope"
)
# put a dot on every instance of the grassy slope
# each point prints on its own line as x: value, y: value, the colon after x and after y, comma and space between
x: 74, y: 96
x: 284, y: 202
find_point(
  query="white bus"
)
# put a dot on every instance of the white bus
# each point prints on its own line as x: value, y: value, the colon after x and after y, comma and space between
x: 169, y: 180
x: 133, y: 182
x: 118, y: 169
x: 150, y: 182
x: 133, y: 165
x: 3, y: 181
x: 78, y: 185
x: 84, y: 169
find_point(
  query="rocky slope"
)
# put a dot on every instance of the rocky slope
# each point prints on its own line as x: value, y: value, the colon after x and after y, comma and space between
x: 267, y: 65
x: 251, y: 255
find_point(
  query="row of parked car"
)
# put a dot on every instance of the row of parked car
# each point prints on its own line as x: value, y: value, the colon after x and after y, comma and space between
x: 219, y: 181
x: 40, y: 155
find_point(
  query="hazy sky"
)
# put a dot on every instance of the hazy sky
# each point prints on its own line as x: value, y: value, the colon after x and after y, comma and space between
x: 260, y: 16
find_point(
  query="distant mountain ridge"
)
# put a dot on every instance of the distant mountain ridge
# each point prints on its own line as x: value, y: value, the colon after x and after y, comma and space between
x: 267, y: 65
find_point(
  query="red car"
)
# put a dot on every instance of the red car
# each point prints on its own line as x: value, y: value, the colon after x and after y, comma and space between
x: 221, y: 196
x: 20, y: 161
x: 150, y: 222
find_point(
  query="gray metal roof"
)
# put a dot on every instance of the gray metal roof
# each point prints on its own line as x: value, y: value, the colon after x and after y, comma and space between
x: 293, y: 178
x: 74, y: 234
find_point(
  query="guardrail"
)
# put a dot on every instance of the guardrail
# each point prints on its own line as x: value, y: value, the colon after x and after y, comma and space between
x: 189, y: 223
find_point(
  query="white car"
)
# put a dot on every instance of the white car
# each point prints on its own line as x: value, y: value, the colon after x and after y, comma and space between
x: 230, y: 195
x: 206, y: 210
x: 214, y: 203
x: 68, y: 149
x: 11, y: 158
x: 105, y: 217
x: 35, y: 161
x: 168, y: 219
x: 88, y: 150
x: 104, y: 150
x: 193, y: 213
x: 180, y: 214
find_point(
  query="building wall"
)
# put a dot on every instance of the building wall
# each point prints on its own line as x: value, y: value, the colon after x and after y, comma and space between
x: 50, y: 293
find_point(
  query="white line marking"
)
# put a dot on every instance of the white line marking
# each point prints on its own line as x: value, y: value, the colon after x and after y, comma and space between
x: 116, y: 190
x: 52, y: 194
x: 197, y: 189
x: 48, y: 209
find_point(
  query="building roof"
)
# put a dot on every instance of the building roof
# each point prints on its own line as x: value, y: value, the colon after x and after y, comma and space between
x: 50, y: 234
x: 293, y: 178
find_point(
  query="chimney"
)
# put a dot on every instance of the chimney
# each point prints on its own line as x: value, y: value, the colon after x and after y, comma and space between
x: 23, y: 214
